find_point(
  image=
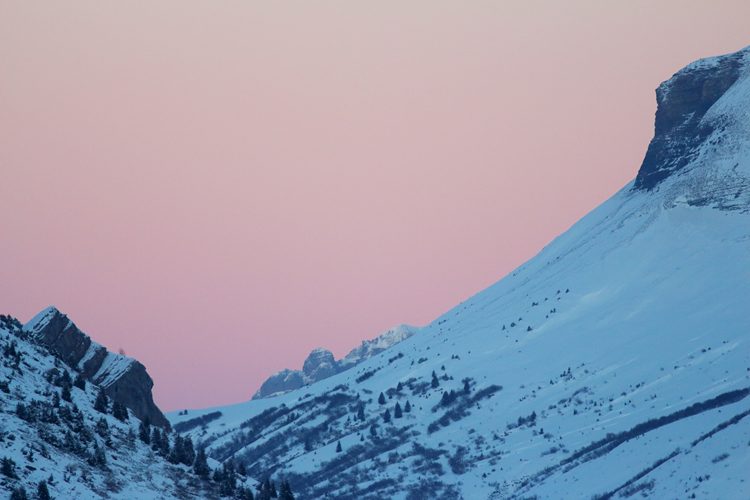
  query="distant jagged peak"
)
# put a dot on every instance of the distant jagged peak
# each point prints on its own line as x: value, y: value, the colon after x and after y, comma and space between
x: 701, y: 126
x: 383, y: 341
x: 321, y: 364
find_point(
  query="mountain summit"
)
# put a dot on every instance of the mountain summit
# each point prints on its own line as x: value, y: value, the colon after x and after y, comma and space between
x: 613, y: 363
x: 123, y: 379
x: 702, y: 123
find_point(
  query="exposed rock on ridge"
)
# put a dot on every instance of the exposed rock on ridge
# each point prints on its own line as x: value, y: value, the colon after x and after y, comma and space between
x: 682, y: 125
x: 320, y: 364
x: 123, y: 379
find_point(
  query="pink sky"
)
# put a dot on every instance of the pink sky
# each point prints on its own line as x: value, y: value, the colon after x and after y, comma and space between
x: 220, y: 187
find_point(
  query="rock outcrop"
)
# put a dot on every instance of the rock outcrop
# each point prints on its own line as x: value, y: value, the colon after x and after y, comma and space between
x: 280, y: 382
x: 681, y: 125
x: 123, y: 379
x: 370, y: 348
x: 321, y: 364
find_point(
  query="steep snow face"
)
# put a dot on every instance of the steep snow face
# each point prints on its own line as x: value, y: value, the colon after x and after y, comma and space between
x: 614, y: 362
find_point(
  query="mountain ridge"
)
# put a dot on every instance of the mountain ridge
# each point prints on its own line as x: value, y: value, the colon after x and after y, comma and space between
x: 321, y: 364
x: 124, y: 379
x: 614, y: 362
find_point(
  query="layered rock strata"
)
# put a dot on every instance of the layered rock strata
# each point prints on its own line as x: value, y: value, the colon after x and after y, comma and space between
x: 123, y: 379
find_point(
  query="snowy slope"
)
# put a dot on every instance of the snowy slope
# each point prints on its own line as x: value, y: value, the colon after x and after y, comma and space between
x: 615, y: 362
x: 51, y: 432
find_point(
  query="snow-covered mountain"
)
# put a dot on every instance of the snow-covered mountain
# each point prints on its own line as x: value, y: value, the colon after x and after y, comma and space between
x: 124, y: 379
x: 75, y: 423
x: 60, y: 437
x: 320, y: 364
x: 615, y: 362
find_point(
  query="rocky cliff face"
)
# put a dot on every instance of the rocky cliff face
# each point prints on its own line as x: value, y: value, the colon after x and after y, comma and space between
x: 280, y: 382
x: 682, y: 125
x: 123, y: 379
x: 321, y: 364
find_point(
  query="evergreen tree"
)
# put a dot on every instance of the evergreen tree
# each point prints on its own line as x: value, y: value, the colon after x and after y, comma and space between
x: 155, y: 439
x: 119, y: 411
x: 218, y: 475
x: 239, y: 466
x: 361, y: 413
x: 79, y: 382
x: 188, y: 453
x: 144, y: 430
x: 266, y: 490
x: 467, y: 386
x: 226, y: 489
x: 435, y: 381
x: 65, y: 380
x: 42, y: 492
x: 101, y: 402
x: 244, y: 493
x: 448, y: 397
x: 407, y: 407
x: 228, y: 467
x: 102, y: 428
x: 178, y: 451
x: 381, y: 399
x: 285, y: 491
x: 228, y: 479
x: 98, y: 458
x: 387, y: 416
x: 164, y: 449
x: 8, y: 468
x: 338, y: 447
x: 66, y: 395
x: 19, y: 493
x: 397, y: 411
x: 200, y: 467
x: 399, y: 387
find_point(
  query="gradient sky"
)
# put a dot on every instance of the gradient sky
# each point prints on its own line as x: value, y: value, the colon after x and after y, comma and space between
x: 220, y: 187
